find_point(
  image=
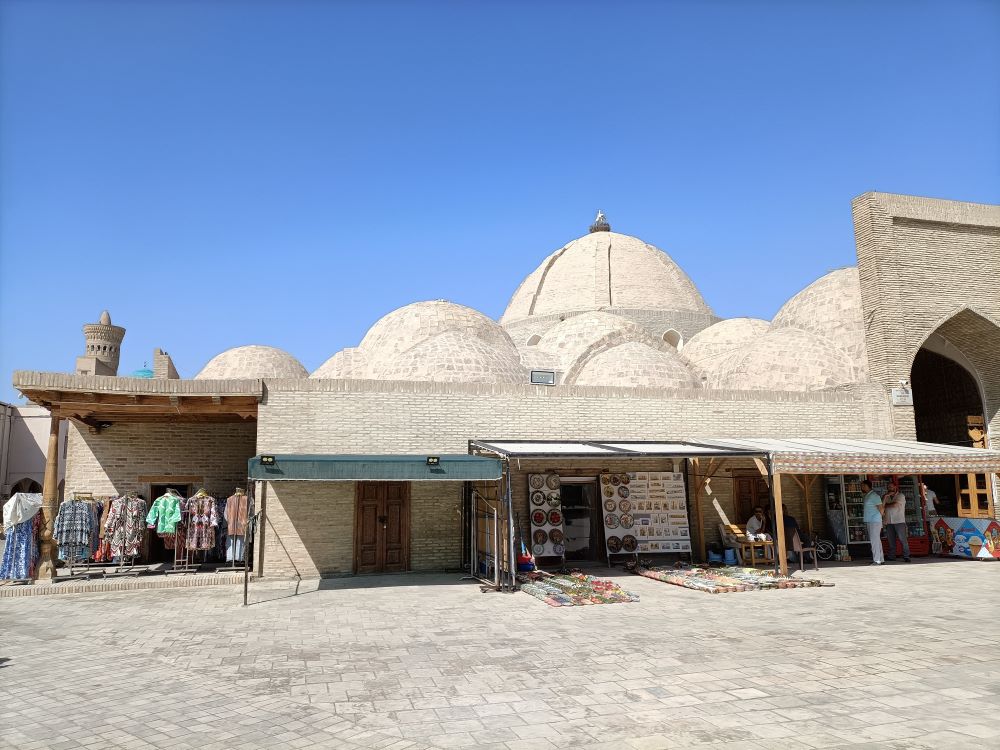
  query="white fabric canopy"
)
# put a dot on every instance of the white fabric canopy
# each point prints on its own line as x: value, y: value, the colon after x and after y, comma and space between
x: 21, y: 507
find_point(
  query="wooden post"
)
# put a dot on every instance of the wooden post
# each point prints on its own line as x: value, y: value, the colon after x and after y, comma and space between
x: 261, y: 525
x: 696, y: 462
x: 810, y: 480
x: 50, y: 504
x: 779, y: 523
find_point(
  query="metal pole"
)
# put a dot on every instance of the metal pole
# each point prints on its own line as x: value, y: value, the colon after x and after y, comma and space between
x: 510, y: 531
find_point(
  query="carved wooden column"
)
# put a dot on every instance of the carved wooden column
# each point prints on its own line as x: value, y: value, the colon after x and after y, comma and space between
x: 50, y: 504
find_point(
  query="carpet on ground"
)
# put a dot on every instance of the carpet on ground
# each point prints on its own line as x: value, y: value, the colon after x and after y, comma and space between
x: 723, y: 580
x: 573, y: 589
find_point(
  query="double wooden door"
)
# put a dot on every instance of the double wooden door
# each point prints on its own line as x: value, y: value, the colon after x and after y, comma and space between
x: 749, y: 491
x: 382, y: 527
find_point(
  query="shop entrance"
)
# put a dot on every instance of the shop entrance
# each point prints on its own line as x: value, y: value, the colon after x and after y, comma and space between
x: 948, y: 409
x: 582, y: 520
x: 382, y: 527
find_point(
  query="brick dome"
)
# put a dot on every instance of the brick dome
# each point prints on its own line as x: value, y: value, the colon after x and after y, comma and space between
x: 454, y: 357
x: 604, y: 270
x: 786, y: 359
x: 635, y: 364
x: 347, y: 363
x: 715, y: 342
x: 571, y: 339
x: 830, y: 307
x: 250, y: 362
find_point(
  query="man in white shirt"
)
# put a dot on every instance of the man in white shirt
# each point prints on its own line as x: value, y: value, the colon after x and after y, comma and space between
x: 895, y: 523
x: 757, y: 526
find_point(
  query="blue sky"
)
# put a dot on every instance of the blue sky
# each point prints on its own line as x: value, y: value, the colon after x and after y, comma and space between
x: 284, y: 173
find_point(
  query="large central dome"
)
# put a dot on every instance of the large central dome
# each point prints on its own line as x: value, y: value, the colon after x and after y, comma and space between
x: 602, y: 271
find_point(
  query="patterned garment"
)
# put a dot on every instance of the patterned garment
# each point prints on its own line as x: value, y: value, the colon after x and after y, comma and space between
x: 21, y: 552
x: 236, y: 514
x: 95, y: 527
x: 125, y: 528
x: 201, y: 522
x: 73, y: 529
x: 165, y: 513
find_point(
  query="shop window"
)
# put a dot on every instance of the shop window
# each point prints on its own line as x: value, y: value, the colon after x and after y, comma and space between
x: 974, y: 496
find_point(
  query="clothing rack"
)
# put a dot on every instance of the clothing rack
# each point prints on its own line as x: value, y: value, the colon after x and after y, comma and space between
x: 126, y: 566
x: 238, y: 564
x: 182, y: 556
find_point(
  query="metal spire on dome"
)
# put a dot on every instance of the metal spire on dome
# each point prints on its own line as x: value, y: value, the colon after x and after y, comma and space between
x: 600, y: 223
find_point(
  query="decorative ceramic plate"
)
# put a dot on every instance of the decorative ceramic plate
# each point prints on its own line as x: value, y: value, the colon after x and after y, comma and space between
x: 558, y: 549
x: 537, y: 498
x: 614, y: 544
x: 538, y: 549
x: 611, y: 521
x: 609, y: 491
x: 610, y: 506
x: 616, y: 480
x: 623, y: 491
x: 539, y: 536
x: 555, y: 517
x: 626, y: 521
x: 625, y: 479
x: 625, y: 506
x: 536, y: 481
x: 554, y: 501
x: 538, y: 518
x: 556, y: 536
x: 553, y: 481
x: 605, y: 479
x: 629, y: 543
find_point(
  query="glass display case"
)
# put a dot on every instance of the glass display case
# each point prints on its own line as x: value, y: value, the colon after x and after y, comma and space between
x: 845, y: 506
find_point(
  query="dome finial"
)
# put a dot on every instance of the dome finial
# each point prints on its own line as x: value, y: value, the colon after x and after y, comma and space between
x: 600, y: 223
x: 105, y: 318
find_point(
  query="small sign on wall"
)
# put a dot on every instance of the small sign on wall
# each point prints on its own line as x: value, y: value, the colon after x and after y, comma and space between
x: 902, y: 397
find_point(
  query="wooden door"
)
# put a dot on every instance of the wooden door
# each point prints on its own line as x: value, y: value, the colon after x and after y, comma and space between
x: 382, y: 527
x: 749, y: 491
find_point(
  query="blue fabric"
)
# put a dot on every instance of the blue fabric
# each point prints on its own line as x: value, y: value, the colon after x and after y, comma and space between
x: 20, y: 553
x: 872, y: 514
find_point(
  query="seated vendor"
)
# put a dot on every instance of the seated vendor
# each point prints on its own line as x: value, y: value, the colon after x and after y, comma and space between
x: 758, y: 526
x: 791, y: 529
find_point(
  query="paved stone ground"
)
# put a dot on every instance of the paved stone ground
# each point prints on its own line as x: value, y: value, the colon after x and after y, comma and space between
x: 897, y: 657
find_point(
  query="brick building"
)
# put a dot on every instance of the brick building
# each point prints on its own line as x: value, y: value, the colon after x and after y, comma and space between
x: 622, y: 347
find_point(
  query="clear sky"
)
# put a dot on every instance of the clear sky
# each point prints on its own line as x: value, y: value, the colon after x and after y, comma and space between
x: 284, y: 173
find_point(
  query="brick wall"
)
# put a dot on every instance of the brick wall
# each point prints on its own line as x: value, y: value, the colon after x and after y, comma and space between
x: 930, y: 266
x: 310, y: 527
x: 343, y: 416
x: 113, y: 460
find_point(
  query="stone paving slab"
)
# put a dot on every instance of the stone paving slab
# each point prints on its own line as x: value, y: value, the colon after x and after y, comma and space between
x: 903, y: 656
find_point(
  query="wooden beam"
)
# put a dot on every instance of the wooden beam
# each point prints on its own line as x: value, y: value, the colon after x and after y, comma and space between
x: 697, y: 487
x: 779, y: 523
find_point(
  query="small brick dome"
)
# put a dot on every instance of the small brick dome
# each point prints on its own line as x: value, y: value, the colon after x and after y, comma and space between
x: 635, y: 364
x: 250, y: 362
x: 709, y: 346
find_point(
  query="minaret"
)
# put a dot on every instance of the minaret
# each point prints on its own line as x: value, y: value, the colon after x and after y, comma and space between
x: 104, y: 343
x: 600, y: 223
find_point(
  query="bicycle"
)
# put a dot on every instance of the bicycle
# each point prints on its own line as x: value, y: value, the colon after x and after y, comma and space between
x: 825, y: 549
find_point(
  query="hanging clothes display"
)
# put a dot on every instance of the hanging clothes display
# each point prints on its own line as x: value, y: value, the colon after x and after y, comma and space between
x: 125, y: 526
x: 201, y: 521
x: 21, y: 521
x: 164, y: 513
x: 72, y: 530
x: 103, y: 553
x: 221, y: 531
x: 96, y: 508
x: 237, y: 507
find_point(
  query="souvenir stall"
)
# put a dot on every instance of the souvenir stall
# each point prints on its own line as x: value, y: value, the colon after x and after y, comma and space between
x: 844, y: 502
x: 973, y: 532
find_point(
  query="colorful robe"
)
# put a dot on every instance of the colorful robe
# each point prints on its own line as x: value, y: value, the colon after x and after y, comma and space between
x: 125, y: 527
x: 201, y: 522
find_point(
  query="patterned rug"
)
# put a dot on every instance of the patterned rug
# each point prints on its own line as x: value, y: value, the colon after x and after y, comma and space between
x: 574, y: 589
x: 724, y: 580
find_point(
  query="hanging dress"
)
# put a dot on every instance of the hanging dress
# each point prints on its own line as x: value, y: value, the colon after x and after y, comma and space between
x: 72, y: 530
x: 21, y: 524
x: 202, y: 520
x: 237, y: 507
x: 125, y: 527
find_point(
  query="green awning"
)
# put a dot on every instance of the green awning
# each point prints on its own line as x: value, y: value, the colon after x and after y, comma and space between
x: 378, y: 468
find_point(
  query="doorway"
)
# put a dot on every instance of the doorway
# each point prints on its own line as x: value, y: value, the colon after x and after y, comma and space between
x: 382, y: 527
x: 582, y: 521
